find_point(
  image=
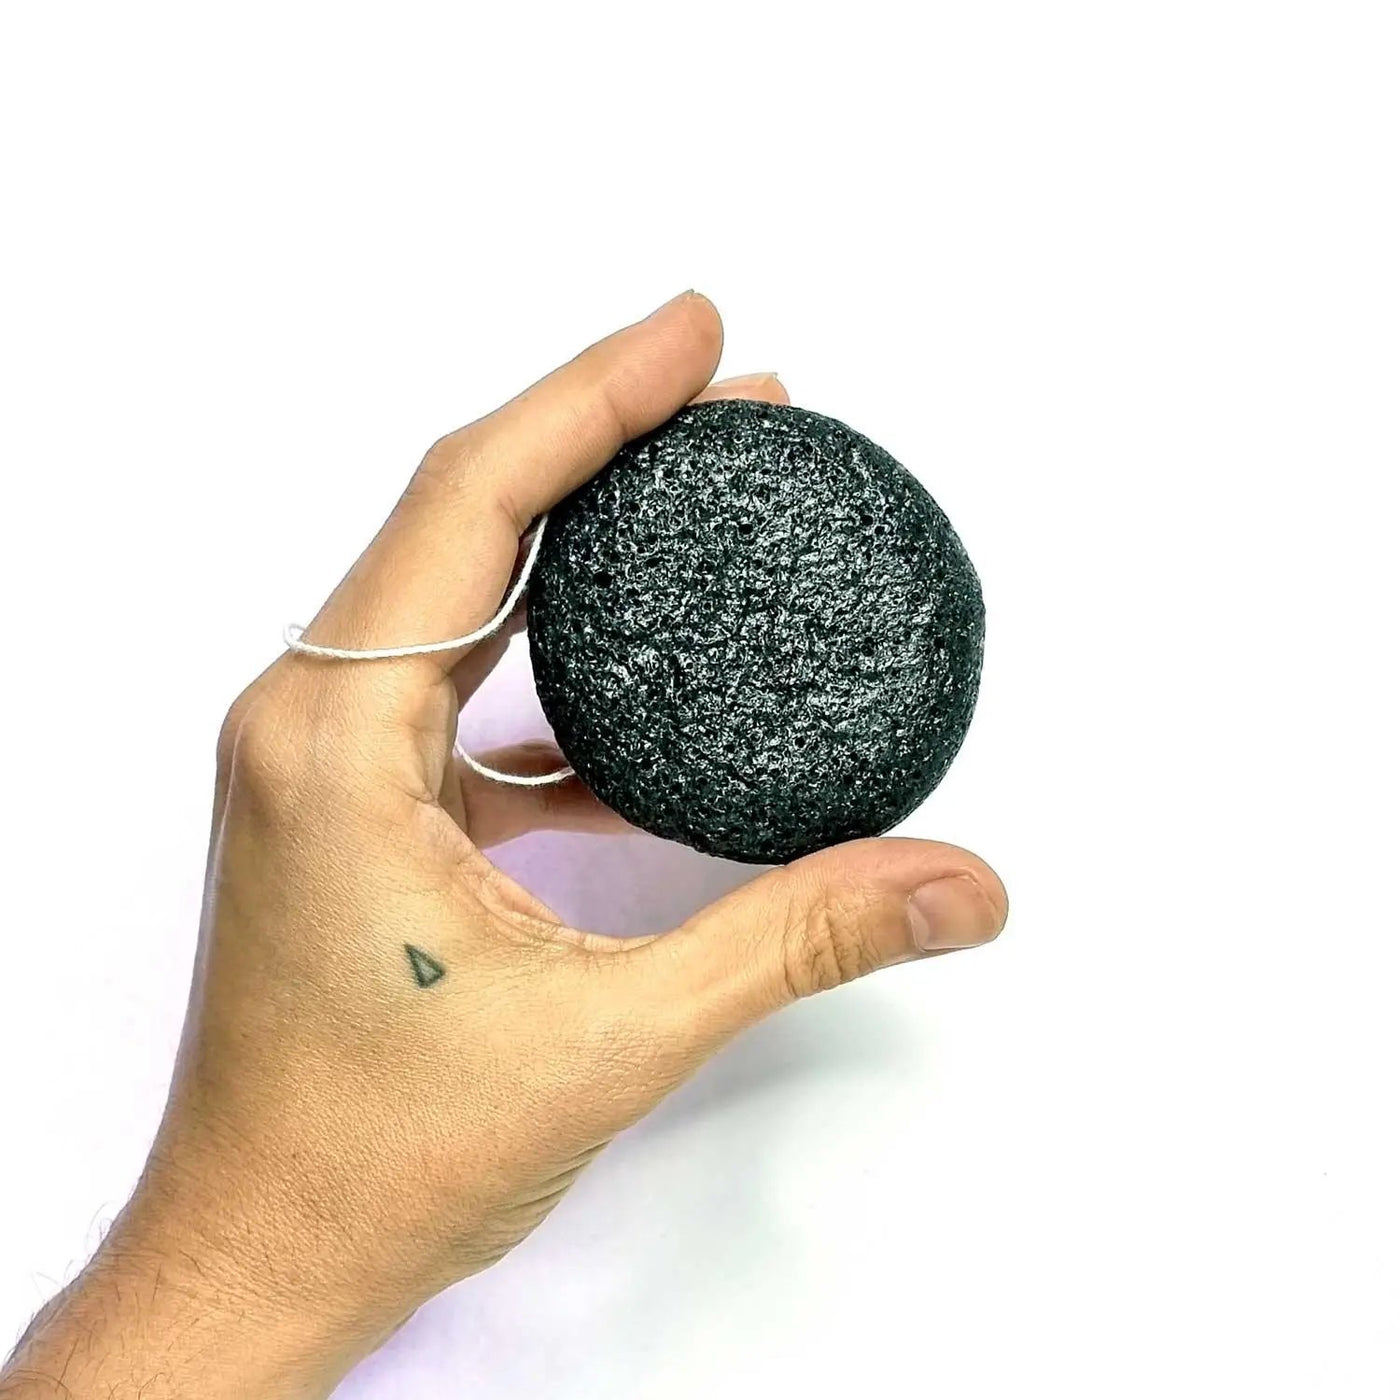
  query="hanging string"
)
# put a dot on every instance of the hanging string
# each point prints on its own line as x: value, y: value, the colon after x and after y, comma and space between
x: 293, y: 632
x: 293, y: 635
x: 514, y: 779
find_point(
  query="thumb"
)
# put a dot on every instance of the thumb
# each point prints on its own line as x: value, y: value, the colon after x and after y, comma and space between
x: 818, y: 923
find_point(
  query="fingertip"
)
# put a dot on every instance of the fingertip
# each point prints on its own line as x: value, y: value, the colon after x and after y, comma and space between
x: 973, y: 868
x: 701, y: 322
x: 901, y: 862
x: 995, y: 890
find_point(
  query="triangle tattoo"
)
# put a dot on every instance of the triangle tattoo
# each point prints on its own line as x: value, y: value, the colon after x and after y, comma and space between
x: 426, y: 968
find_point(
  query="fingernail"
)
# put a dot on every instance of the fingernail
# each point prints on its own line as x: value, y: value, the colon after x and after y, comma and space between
x: 735, y: 380
x: 680, y: 296
x: 951, y: 913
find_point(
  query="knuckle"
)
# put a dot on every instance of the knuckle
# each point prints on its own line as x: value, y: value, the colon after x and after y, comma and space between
x: 290, y: 745
x: 233, y: 722
x: 447, y: 461
x: 263, y: 755
x: 614, y: 417
x: 262, y: 744
x: 825, y: 944
x: 464, y: 461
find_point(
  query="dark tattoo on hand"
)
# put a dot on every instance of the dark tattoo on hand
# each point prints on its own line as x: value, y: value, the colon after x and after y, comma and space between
x: 426, y: 968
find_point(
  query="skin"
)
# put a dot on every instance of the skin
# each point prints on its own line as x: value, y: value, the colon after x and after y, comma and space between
x: 341, y: 1143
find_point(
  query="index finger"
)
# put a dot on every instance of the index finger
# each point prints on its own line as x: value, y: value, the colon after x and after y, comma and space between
x: 440, y: 564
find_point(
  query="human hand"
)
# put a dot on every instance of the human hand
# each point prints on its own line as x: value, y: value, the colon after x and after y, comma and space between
x: 342, y: 1142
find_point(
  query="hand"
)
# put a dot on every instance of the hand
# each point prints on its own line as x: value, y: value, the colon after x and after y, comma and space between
x: 342, y: 1142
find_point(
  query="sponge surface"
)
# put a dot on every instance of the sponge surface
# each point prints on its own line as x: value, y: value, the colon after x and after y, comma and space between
x: 756, y: 633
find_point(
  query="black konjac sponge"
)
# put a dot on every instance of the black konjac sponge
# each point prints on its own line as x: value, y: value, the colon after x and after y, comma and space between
x: 756, y: 633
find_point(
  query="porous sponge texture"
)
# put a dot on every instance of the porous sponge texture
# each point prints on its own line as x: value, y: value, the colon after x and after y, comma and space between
x: 756, y: 633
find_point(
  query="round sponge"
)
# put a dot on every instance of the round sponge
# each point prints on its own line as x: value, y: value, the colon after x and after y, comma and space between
x: 756, y: 633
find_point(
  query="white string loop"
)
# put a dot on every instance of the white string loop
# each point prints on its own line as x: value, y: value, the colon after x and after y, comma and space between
x: 514, y: 779
x: 293, y: 634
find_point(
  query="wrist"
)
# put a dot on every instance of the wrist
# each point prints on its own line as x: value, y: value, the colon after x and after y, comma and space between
x: 159, y: 1313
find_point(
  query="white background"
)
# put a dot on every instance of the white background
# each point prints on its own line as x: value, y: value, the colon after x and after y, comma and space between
x: 1119, y: 283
